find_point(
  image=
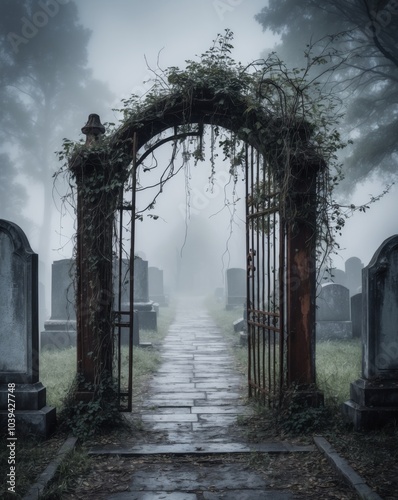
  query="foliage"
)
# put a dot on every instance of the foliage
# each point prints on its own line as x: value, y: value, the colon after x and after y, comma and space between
x: 297, y: 416
x: 88, y: 418
x: 356, y: 41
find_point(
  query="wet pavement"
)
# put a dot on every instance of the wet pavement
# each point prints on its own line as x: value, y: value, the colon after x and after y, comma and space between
x: 192, y: 408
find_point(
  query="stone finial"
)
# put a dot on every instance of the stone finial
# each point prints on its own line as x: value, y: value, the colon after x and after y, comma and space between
x: 93, y: 128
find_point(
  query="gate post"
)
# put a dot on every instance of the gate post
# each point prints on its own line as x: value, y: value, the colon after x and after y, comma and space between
x: 93, y: 263
x: 301, y: 276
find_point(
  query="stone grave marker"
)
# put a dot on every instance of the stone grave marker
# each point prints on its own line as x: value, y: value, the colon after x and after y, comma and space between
x: 147, y: 318
x: 353, y: 272
x: 374, y: 397
x: 333, y: 319
x: 60, y: 330
x: 356, y: 315
x: 19, y: 336
x: 337, y: 276
x: 235, y: 288
x: 156, y: 287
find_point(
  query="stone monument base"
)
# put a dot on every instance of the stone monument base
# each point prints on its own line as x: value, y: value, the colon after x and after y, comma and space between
x: 32, y: 415
x: 125, y: 332
x: 162, y: 300
x: 333, y: 330
x: 58, y: 334
x: 373, y: 404
x: 147, y: 317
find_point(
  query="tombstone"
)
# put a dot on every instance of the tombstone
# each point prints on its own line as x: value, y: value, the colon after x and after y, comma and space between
x: 333, y: 319
x: 336, y: 276
x: 374, y: 397
x: 19, y: 338
x: 155, y: 284
x: 60, y: 330
x: 146, y: 313
x: 356, y: 315
x: 353, y: 272
x: 235, y: 287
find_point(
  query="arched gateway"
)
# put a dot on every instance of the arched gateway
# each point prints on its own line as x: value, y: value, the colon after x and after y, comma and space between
x: 281, y: 171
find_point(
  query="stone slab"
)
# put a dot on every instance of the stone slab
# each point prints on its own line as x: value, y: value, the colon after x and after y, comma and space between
x: 26, y: 396
x: 199, y: 448
x: 221, y: 409
x: 167, y: 410
x: 153, y: 495
x: 175, y: 396
x: 162, y: 387
x: 368, y: 418
x: 170, y: 418
x: 41, y: 422
x: 161, y: 403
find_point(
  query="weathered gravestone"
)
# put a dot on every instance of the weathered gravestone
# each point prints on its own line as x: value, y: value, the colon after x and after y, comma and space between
x: 147, y: 317
x: 333, y: 313
x: 156, y: 287
x: 19, y: 338
x: 356, y: 315
x: 60, y: 330
x: 374, y: 397
x: 336, y: 276
x: 353, y: 273
x: 235, y: 288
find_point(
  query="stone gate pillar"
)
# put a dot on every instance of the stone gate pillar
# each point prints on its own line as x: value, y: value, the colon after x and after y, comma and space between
x: 301, y: 274
x: 95, y: 215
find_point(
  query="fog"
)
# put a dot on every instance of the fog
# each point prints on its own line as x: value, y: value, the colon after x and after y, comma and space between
x: 129, y: 39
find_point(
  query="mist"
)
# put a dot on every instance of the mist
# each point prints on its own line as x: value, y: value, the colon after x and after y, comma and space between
x: 113, y: 52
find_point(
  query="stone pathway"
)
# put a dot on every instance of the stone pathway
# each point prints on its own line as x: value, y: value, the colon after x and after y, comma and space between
x: 192, y: 408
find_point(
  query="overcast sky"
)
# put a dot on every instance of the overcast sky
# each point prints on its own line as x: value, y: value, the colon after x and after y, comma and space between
x: 126, y: 34
x: 127, y: 31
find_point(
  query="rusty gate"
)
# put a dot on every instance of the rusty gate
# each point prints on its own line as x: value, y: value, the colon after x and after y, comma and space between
x: 280, y: 258
x: 266, y: 271
x: 125, y: 321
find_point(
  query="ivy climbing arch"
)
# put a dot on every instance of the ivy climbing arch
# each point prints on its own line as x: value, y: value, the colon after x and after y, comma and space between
x: 265, y: 108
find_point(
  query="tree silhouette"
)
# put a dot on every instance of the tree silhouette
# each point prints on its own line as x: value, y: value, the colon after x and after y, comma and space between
x: 358, y: 39
x: 46, y: 93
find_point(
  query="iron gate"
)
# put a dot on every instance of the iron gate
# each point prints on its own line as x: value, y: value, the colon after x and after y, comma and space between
x: 266, y: 283
x: 125, y: 322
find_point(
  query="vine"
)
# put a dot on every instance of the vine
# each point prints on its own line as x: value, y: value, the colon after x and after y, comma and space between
x: 284, y: 114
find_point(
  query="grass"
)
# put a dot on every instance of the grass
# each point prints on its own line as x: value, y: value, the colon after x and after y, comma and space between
x: 57, y: 372
x: 338, y: 363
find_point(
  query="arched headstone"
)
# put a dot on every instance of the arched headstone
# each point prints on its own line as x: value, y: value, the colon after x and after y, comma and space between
x: 19, y: 336
x: 374, y: 397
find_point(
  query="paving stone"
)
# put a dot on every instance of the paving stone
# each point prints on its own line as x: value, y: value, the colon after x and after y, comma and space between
x: 153, y: 495
x: 182, y: 477
x: 248, y: 495
x: 220, y: 409
x: 161, y: 387
x: 178, y: 403
x: 168, y: 410
x: 170, y: 418
x: 173, y: 396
